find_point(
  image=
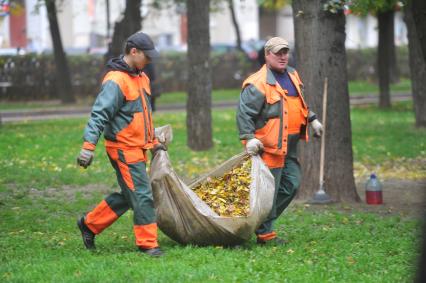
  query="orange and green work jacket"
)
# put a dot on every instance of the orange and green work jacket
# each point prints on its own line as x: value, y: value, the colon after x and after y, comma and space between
x: 122, y: 111
x: 264, y: 110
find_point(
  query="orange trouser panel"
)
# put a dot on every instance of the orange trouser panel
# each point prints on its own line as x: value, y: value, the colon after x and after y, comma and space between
x: 139, y: 198
x: 146, y: 235
x: 268, y: 236
x: 100, y: 218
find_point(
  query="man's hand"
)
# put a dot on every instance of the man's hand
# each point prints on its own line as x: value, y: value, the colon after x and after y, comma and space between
x: 254, y: 146
x: 164, y: 134
x: 317, y: 126
x: 161, y: 138
x: 158, y: 147
x: 85, y: 158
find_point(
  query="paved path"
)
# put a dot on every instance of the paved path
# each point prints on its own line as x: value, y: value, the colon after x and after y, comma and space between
x: 76, y: 112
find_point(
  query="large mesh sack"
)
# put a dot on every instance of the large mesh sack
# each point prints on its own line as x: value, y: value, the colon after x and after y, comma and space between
x: 185, y: 218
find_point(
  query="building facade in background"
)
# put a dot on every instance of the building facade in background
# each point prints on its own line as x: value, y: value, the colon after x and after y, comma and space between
x: 84, y: 28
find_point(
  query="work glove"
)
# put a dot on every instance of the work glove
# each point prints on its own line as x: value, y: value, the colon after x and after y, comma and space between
x: 158, y: 147
x: 164, y: 134
x: 317, y: 126
x: 254, y: 146
x: 161, y: 137
x: 85, y: 158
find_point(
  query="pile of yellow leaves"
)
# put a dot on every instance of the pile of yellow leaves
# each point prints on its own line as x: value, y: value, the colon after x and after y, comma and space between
x: 228, y: 195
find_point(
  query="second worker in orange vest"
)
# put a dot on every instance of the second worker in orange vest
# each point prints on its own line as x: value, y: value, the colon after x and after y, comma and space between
x: 272, y: 116
x: 123, y: 113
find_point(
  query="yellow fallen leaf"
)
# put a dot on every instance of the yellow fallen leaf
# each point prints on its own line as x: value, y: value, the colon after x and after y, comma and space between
x: 228, y: 195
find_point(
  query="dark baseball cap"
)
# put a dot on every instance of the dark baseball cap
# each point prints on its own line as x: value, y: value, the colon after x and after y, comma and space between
x: 143, y: 42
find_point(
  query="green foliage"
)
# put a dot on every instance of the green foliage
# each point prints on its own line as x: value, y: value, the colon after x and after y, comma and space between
x: 356, y: 88
x: 228, y: 71
x: 273, y: 4
x: 334, y: 6
x: 363, y: 7
x: 362, y: 63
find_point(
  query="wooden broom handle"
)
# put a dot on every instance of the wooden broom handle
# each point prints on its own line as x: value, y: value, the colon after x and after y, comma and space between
x: 324, y: 122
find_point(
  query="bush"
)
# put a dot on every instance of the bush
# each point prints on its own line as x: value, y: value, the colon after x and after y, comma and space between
x: 362, y: 63
x: 33, y: 77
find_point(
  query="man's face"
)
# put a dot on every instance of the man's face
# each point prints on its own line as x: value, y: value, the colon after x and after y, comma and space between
x: 139, y: 59
x: 277, y: 61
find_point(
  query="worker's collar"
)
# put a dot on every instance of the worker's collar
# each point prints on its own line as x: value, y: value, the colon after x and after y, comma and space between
x: 118, y: 64
x: 270, y: 78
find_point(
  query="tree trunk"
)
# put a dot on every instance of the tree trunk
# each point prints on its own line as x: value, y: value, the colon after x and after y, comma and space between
x: 417, y: 69
x: 63, y: 76
x: 394, y: 71
x: 385, y: 55
x: 419, y: 16
x: 198, y: 105
x: 130, y: 23
x: 108, y: 19
x: 320, y: 45
x: 235, y: 23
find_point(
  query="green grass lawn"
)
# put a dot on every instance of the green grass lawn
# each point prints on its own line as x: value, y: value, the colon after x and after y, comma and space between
x: 40, y: 243
x: 42, y: 192
x: 356, y: 88
x: 367, y: 88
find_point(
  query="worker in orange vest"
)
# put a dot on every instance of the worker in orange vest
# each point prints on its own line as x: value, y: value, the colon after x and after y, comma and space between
x: 122, y: 112
x: 272, y: 116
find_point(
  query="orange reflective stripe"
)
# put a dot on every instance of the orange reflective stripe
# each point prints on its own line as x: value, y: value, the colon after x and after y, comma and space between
x: 146, y: 235
x: 100, y: 218
x: 268, y: 236
x: 89, y: 146
x: 112, y: 152
x: 125, y: 173
x: 131, y: 155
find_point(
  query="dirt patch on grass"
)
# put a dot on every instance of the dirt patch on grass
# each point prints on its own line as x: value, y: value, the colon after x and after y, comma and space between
x: 400, y: 197
x: 65, y: 193
x: 70, y: 193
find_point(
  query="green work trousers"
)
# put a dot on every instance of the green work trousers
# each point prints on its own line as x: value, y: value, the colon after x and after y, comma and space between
x: 287, y: 181
x: 135, y: 194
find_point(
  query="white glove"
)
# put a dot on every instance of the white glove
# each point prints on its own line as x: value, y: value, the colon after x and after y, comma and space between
x: 317, y: 126
x: 253, y: 146
x: 85, y: 158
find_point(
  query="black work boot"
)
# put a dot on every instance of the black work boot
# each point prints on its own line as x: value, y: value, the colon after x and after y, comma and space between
x: 87, y: 235
x: 272, y: 242
x: 154, y: 252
